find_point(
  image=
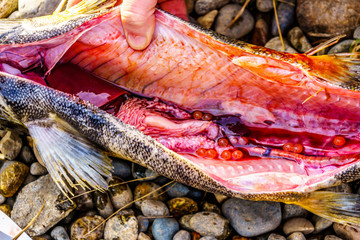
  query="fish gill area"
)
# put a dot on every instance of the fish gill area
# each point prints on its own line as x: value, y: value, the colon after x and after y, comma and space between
x: 142, y: 205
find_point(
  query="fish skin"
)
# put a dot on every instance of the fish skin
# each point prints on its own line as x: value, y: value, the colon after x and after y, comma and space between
x: 121, y: 139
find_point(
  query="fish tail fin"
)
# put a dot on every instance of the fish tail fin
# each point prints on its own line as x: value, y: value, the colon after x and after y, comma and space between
x: 340, y: 70
x: 70, y: 159
x: 337, y: 207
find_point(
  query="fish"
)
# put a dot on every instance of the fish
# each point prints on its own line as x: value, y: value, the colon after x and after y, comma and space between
x: 202, y: 109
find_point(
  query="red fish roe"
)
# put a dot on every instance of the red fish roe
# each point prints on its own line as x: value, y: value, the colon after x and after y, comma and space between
x: 243, y: 140
x: 197, y: 115
x: 288, y: 147
x: 237, y: 154
x: 226, y: 154
x: 207, y: 117
x: 298, y: 148
x: 223, y: 142
x: 339, y: 141
x: 211, y: 153
x: 201, y: 152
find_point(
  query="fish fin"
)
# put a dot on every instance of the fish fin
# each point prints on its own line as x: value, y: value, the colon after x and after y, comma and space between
x: 66, y: 154
x: 340, y: 70
x: 84, y: 7
x: 335, y: 206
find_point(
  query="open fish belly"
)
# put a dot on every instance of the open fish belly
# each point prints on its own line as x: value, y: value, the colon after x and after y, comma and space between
x: 258, y: 110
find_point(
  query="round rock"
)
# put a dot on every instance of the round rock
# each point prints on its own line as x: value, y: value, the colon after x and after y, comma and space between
x: 261, y: 33
x: 177, y: 190
x: 122, y: 168
x: 286, y: 16
x: 145, y: 188
x: 357, y: 33
x: 296, y: 236
x: 143, y: 236
x: 208, y: 19
x: 298, y: 225
x: 275, y: 236
x: 210, y: 224
x: 120, y: 194
x: 182, y: 206
x: 209, y: 207
x: 59, y: 233
x: 182, y: 235
x: 343, y: 46
x: 37, y: 169
x: 10, y: 145
x: 2, y: 199
x: 292, y: 210
x: 26, y: 155
x: 275, y: 43
x: 264, y: 5
x: 7, y: 7
x: 298, y: 40
x: 32, y: 8
x: 336, y: 18
x: 6, y: 208
x: 240, y: 28
x: 251, y: 218
x: 347, y: 232
x: 103, y: 204
x: 121, y: 227
x: 208, y: 238
x: 320, y: 223
x: 81, y: 227
x: 164, y: 228
x: 153, y: 208
x: 143, y: 223
x: 204, y: 6
x: 332, y: 237
x: 12, y: 175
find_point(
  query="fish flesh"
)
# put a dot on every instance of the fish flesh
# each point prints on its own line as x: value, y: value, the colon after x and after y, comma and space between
x: 212, y: 112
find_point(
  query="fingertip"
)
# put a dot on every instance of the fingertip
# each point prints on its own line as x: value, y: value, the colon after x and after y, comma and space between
x: 137, y: 42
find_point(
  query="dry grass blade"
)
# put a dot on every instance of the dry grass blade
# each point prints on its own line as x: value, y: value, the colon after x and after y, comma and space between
x: 278, y: 26
x: 239, y: 14
x: 125, y: 206
x: 30, y: 223
x: 324, y: 45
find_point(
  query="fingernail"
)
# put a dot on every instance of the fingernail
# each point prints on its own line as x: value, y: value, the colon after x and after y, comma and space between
x: 136, y: 42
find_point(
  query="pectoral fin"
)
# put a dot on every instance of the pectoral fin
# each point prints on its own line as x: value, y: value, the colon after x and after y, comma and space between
x: 66, y: 155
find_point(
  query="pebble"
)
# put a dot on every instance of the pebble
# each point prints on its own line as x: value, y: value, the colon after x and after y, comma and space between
x: 298, y: 225
x: 240, y: 28
x: 195, y: 194
x: 210, y: 223
x: 143, y: 223
x: 264, y: 5
x: 182, y: 206
x: 320, y: 223
x: 143, y: 236
x: 153, y: 208
x: 221, y: 198
x: 59, y: 233
x: 251, y: 218
x: 292, y: 210
x: 342, y: 19
x: 332, y: 237
x: 208, y: 238
x: 82, y: 226
x: 2, y: 199
x: 343, y: 46
x: 275, y: 43
x: 121, y: 227
x: 204, y: 6
x: 29, y: 178
x: 347, y: 232
x: 10, y: 145
x: 7, y: 7
x: 296, y: 236
x: 182, y: 235
x: 356, y: 34
x: 31, y: 198
x: 6, y: 208
x: 140, y: 172
x: 103, y: 204
x: 209, y: 207
x: 189, y: 5
x: 37, y: 169
x: 145, y: 188
x: 122, y: 168
x: 299, y: 40
x: 185, y: 221
x: 84, y: 201
x: 177, y: 190
x: 286, y: 16
x: 12, y: 175
x: 164, y: 228
x: 26, y: 155
x: 208, y: 19
x: 121, y: 194
x: 274, y: 236
x: 42, y: 237
x: 33, y: 8
x: 261, y: 33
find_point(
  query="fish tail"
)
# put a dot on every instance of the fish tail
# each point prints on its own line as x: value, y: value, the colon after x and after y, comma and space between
x: 335, y: 206
x: 340, y: 70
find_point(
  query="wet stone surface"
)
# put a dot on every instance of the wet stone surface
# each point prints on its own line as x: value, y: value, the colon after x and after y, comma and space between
x: 122, y: 227
x: 81, y: 227
x: 164, y: 228
x: 12, y: 175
